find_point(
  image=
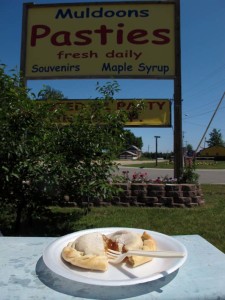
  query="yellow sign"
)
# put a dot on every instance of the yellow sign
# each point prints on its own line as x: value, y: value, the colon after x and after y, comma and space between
x: 156, y: 113
x: 121, y: 40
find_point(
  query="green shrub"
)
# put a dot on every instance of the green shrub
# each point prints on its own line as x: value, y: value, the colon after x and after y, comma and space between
x: 42, y: 161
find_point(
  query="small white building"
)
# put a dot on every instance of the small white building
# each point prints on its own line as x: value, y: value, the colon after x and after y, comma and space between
x: 132, y: 152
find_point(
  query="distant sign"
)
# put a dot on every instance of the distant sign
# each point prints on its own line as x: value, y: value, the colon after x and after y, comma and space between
x: 156, y: 113
x: 114, y: 39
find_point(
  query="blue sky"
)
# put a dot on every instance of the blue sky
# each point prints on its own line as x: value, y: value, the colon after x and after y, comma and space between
x: 203, y: 71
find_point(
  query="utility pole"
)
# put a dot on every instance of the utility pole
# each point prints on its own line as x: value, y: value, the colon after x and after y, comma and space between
x: 178, y: 151
x: 156, y: 149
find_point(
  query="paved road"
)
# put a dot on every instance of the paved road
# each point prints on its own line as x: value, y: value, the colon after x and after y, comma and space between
x: 205, y: 176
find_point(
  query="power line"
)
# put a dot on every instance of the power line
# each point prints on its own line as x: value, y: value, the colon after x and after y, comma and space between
x: 203, y: 113
x: 210, y: 75
x: 210, y: 121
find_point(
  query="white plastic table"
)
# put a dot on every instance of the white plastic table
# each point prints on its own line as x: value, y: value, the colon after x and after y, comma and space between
x: 23, y: 275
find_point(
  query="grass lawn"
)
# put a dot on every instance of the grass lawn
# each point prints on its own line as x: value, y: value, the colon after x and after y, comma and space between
x: 204, y: 164
x: 207, y: 221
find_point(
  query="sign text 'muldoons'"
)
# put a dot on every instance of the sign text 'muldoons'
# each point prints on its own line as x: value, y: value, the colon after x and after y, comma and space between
x: 101, y: 12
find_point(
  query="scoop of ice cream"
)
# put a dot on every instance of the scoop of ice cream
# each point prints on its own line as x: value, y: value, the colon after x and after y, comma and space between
x: 128, y: 240
x: 90, y: 243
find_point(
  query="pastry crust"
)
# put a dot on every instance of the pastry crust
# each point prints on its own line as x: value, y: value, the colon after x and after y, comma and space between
x: 149, y: 244
x: 88, y: 261
x: 88, y: 252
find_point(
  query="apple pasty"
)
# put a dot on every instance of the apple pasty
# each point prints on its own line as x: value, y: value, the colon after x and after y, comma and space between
x: 126, y: 240
x: 89, y: 251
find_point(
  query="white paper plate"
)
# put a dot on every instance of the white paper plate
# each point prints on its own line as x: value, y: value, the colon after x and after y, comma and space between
x: 116, y: 275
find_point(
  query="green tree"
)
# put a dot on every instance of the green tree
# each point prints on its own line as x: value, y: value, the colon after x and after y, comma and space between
x: 215, y: 138
x: 41, y: 160
x: 189, y: 147
x: 50, y: 93
x: 131, y: 139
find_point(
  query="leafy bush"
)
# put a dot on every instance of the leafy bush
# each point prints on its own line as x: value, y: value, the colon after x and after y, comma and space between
x: 42, y: 161
x: 189, y: 175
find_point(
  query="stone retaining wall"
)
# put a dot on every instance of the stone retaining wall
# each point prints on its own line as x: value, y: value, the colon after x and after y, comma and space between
x: 157, y: 195
x: 154, y: 195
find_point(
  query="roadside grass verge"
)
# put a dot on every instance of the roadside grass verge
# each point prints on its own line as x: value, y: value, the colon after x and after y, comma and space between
x: 207, y: 220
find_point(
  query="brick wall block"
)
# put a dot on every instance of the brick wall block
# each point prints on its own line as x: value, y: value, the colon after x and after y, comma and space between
x: 156, y: 194
x: 155, y: 187
x: 157, y: 204
x: 173, y: 187
x: 188, y: 187
x: 174, y: 194
x: 179, y: 205
x: 166, y: 200
x: 149, y: 201
x: 189, y: 194
x: 197, y: 199
x: 139, y: 193
x: 138, y: 186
